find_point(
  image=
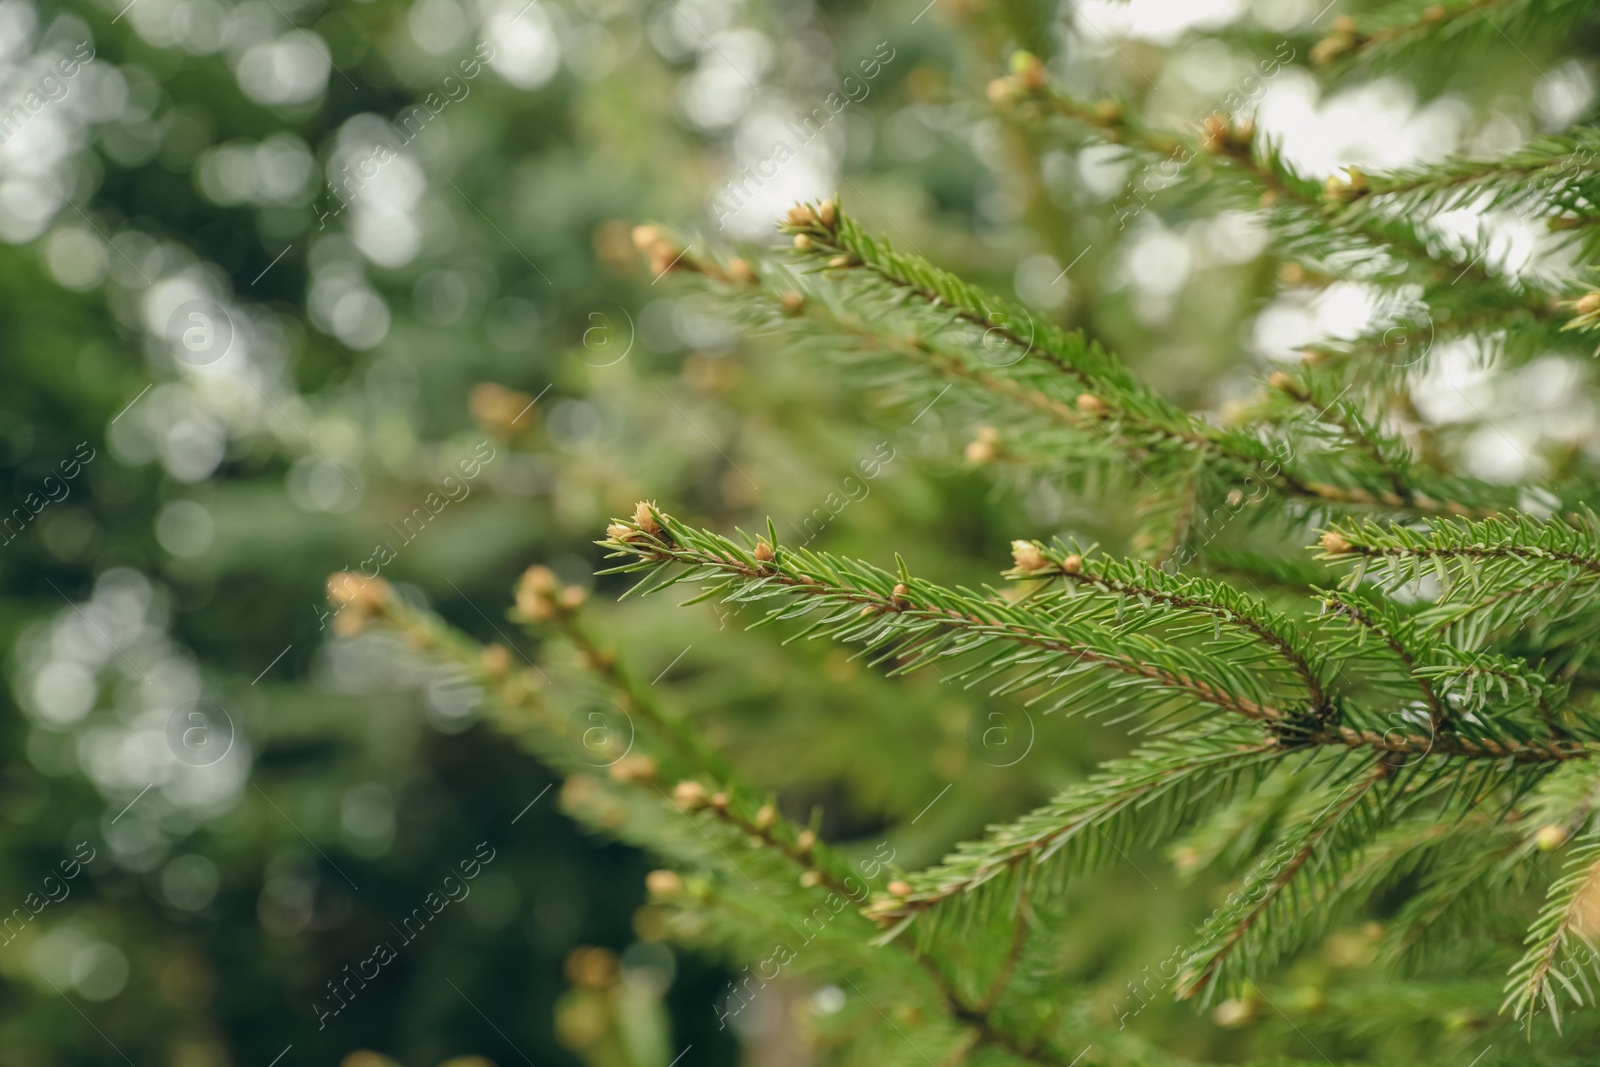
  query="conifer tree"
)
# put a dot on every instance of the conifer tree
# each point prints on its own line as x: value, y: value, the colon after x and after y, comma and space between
x: 1349, y: 677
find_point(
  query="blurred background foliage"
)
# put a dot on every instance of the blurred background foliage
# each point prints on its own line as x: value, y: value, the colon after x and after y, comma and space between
x: 471, y: 290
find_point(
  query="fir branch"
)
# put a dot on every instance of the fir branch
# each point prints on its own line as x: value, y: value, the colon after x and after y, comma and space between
x: 1390, y: 456
x: 742, y: 817
x: 1006, y: 393
x: 828, y: 239
x: 1412, y: 844
x: 1554, y: 173
x: 1400, y: 744
x: 1321, y: 410
x: 1506, y: 334
x: 1341, y: 209
x: 541, y: 602
x: 1519, y: 540
x: 1469, y: 679
x: 1566, y: 920
x: 1277, y: 888
x: 910, y: 351
x: 1371, y: 619
x: 1019, y: 940
x: 1492, y: 573
x: 1402, y: 27
x: 664, y: 757
x: 1123, y: 412
x: 1456, y: 893
x: 1143, y: 797
x: 1192, y: 595
x: 1563, y: 803
x: 1503, y: 697
x: 1334, y: 225
x: 919, y: 622
x: 1470, y: 894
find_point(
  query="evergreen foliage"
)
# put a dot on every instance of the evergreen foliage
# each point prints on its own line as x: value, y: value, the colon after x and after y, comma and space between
x: 1370, y: 699
x: 1272, y: 742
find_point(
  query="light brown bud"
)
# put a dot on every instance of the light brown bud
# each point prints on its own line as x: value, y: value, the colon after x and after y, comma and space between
x: 1073, y: 564
x: 828, y: 213
x: 350, y: 589
x: 1027, y: 557
x: 690, y: 794
x: 1001, y: 90
x: 535, y: 587
x: 1334, y: 542
x: 663, y: 884
x: 980, y: 451
x: 644, y: 517
x: 496, y: 660
x: 839, y: 261
x: 572, y: 597
x: 766, y: 817
x: 806, y: 842
x: 1587, y: 304
x: 1282, y: 382
x: 801, y: 215
x: 359, y: 598
x: 802, y: 243
x: 763, y: 552
x: 793, y: 302
x: 719, y: 801
x: 633, y: 769
x: 811, y: 879
x: 899, y: 888
x: 1090, y: 404
x: 741, y: 271
x: 647, y: 238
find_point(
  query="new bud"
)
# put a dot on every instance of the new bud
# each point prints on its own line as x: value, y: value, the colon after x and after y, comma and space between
x: 690, y: 794
x: 1027, y: 556
x: 1334, y: 542
x: 1550, y: 838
